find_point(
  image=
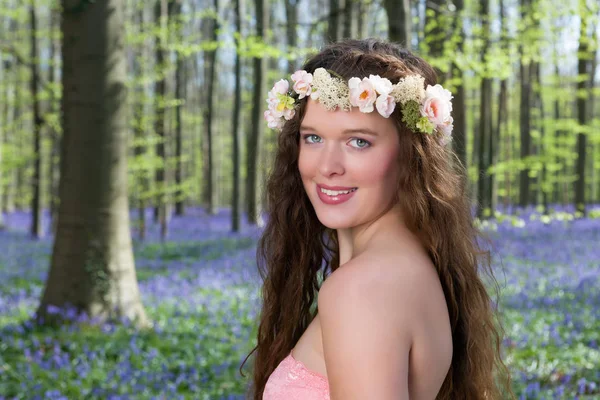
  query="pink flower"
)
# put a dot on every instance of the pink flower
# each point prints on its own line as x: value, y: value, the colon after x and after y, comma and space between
x: 302, y: 83
x: 385, y: 105
x: 362, y: 94
x: 273, y: 121
x: 289, y: 113
x: 281, y: 86
x: 437, y: 105
x: 272, y: 99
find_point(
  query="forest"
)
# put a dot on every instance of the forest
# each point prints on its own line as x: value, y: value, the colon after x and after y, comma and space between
x: 133, y: 157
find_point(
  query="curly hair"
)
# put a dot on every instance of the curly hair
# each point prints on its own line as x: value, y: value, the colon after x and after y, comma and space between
x: 295, y: 247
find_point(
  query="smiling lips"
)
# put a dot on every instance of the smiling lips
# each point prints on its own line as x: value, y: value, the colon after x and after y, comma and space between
x: 335, y: 194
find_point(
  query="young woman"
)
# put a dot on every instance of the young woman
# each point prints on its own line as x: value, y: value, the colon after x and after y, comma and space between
x: 366, y: 193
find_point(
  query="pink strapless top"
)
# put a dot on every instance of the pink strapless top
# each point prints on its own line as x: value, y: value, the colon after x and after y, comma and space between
x: 291, y: 380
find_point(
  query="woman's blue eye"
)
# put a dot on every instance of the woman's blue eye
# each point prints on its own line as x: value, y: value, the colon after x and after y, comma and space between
x: 365, y: 145
x: 310, y: 135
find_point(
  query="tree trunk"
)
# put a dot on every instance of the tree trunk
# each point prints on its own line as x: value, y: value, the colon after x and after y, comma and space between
x: 92, y: 267
x: 435, y: 34
x: 485, y: 123
x: 525, y: 68
x: 142, y: 183
x: 539, y: 104
x: 12, y: 185
x: 208, y: 168
x: 361, y: 10
x: 4, y: 120
x: 593, y: 187
x: 459, y: 133
x: 55, y: 104
x: 502, y: 119
x: 582, y: 115
x: 235, y: 197
x: 255, y: 138
x: 525, y: 131
x: 560, y: 194
x: 179, y: 95
x: 349, y: 26
x: 35, y: 230
x: 334, y: 23
x: 291, y: 14
x: 399, y: 21
x: 161, y: 15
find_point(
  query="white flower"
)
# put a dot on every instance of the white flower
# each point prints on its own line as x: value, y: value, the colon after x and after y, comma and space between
x: 302, y: 83
x: 272, y: 99
x: 362, y: 94
x: 385, y: 105
x: 381, y: 85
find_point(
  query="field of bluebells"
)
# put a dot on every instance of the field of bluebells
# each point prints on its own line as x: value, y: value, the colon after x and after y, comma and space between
x: 200, y: 289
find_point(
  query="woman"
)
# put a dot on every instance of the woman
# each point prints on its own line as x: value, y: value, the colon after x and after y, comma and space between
x: 366, y: 192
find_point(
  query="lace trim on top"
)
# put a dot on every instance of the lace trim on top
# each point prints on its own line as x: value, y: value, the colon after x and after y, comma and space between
x: 316, y: 374
x: 292, y: 380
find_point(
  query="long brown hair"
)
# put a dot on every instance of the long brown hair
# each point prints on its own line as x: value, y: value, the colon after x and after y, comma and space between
x: 295, y: 247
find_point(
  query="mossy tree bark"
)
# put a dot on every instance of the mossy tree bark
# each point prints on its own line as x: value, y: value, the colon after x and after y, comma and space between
x: 92, y: 267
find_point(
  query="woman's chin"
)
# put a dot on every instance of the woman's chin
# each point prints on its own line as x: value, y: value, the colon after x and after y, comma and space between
x: 335, y: 223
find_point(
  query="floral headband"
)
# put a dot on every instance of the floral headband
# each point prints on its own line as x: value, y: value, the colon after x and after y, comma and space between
x: 423, y: 110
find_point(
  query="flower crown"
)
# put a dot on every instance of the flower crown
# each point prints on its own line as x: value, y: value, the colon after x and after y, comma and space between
x: 423, y: 110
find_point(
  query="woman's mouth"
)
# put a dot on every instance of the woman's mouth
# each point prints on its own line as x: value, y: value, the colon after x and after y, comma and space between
x: 333, y: 197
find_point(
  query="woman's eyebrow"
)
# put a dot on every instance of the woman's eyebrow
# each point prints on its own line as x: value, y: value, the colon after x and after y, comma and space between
x: 366, y: 131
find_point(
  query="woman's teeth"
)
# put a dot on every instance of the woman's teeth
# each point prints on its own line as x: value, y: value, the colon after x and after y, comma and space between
x: 336, y: 192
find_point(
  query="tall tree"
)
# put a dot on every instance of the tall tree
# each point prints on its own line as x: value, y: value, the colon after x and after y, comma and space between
x: 55, y: 109
x: 335, y: 20
x: 595, y: 186
x: 36, y: 199
x: 4, y: 123
x: 179, y: 95
x: 350, y: 19
x: 291, y: 15
x: 485, y: 119
x: 399, y: 21
x: 208, y: 151
x: 459, y: 141
x: 235, y: 129
x: 163, y: 9
x: 435, y: 30
x: 255, y: 137
x: 543, y: 149
x: 582, y: 108
x: 502, y: 113
x: 92, y: 265
x: 526, y: 73
x: 140, y: 149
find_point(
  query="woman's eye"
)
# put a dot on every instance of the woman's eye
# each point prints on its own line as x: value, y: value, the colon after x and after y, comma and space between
x: 361, y: 143
x: 306, y: 137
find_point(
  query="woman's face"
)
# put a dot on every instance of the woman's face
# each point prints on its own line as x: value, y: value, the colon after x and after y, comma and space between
x: 347, y: 150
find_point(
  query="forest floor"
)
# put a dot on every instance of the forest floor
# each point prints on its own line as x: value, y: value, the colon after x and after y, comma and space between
x: 201, y: 290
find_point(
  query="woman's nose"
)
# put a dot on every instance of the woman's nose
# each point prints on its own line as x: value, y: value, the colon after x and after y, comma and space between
x: 331, y: 161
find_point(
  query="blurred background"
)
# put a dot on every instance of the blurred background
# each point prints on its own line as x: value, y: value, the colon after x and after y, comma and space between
x: 133, y: 154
